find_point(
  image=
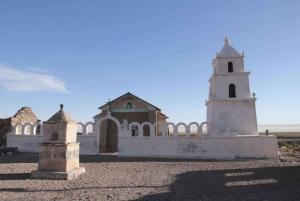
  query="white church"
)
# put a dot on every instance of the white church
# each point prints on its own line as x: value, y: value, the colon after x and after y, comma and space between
x: 231, y: 124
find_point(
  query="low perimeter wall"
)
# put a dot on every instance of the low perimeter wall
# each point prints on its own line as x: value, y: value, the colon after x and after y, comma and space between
x: 25, y: 143
x: 199, y: 147
x: 30, y: 143
x: 88, y: 144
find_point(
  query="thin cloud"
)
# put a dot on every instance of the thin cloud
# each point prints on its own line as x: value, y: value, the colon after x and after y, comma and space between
x: 16, y: 80
x: 37, y: 69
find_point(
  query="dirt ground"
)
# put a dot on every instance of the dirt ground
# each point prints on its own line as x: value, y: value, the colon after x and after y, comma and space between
x: 108, y: 177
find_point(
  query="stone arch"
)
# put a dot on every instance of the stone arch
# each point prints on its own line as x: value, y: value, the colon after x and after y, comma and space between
x: 203, y: 123
x: 82, y: 127
x: 86, y: 127
x: 174, y: 126
x: 163, y: 127
x: 28, y: 128
x: 230, y: 67
x: 152, y: 130
x: 185, y: 126
x: 232, y: 93
x: 107, y: 140
x: 140, y: 129
x: 37, y: 130
x: 194, y: 123
x: 18, y: 129
x: 99, y: 121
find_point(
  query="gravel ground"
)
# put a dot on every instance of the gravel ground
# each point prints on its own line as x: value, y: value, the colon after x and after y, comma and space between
x: 108, y: 177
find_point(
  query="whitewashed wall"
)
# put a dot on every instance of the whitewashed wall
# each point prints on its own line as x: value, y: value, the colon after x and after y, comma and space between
x: 195, y: 147
x: 213, y: 145
x: 25, y: 143
x: 88, y: 144
x: 29, y: 141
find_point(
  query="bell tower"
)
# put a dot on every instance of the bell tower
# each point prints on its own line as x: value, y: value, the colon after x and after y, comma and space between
x: 230, y: 106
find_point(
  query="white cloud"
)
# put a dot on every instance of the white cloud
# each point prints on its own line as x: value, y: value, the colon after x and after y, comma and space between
x: 37, y: 69
x: 16, y: 80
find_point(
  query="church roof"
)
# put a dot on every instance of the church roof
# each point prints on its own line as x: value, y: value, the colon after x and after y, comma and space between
x: 61, y: 116
x: 131, y: 96
x: 228, y: 50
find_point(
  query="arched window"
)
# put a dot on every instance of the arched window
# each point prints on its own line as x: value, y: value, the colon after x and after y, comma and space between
x: 230, y: 67
x: 232, y: 91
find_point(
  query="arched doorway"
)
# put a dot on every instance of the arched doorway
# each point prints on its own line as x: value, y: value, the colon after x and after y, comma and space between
x: 108, y: 133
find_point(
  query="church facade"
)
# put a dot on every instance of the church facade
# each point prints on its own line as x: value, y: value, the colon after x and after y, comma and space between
x: 230, y: 105
x: 132, y: 108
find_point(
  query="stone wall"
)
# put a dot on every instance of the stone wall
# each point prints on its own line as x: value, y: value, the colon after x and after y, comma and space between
x: 25, y: 114
x: 199, y: 147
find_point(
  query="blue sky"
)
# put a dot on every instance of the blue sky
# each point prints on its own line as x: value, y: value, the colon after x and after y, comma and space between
x: 81, y: 53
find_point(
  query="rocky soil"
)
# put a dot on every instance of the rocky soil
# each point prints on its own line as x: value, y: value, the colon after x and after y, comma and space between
x: 108, y: 177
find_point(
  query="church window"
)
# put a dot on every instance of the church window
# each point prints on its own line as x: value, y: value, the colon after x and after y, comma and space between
x: 129, y: 105
x: 232, y: 91
x: 230, y: 67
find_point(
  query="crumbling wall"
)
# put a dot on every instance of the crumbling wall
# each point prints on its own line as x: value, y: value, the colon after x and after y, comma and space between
x: 25, y: 114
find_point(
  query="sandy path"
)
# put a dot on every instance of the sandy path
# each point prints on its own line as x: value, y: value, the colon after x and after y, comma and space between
x: 108, y: 177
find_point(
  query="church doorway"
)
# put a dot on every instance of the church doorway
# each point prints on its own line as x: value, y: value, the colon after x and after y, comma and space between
x: 108, y: 134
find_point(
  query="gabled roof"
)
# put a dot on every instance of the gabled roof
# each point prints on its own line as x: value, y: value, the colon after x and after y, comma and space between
x: 228, y: 51
x: 126, y: 96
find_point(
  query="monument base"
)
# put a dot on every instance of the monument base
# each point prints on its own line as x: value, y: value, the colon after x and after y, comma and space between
x: 56, y: 175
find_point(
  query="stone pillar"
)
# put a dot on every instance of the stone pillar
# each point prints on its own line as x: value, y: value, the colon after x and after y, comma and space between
x: 59, y: 157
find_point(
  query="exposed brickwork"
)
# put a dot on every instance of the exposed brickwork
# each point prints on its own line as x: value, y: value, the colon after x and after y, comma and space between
x: 25, y: 114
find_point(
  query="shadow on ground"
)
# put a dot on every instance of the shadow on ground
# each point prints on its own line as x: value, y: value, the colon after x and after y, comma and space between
x: 272, y: 183
x: 14, y: 176
x: 34, y: 158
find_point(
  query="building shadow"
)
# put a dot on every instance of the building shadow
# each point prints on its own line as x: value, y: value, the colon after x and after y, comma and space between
x: 270, y: 183
x: 26, y: 157
x: 14, y: 176
x: 114, y: 158
x: 22, y: 157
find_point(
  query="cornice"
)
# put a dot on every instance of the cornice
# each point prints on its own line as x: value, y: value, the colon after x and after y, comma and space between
x: 229, y: 74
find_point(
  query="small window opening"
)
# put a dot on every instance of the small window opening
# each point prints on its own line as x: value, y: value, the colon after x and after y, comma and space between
x: 232, y: 91
x: 129, y: 105
x: 230, y: 67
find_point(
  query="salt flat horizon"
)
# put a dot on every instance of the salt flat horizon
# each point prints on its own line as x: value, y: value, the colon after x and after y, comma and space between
x: 279, y: 127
